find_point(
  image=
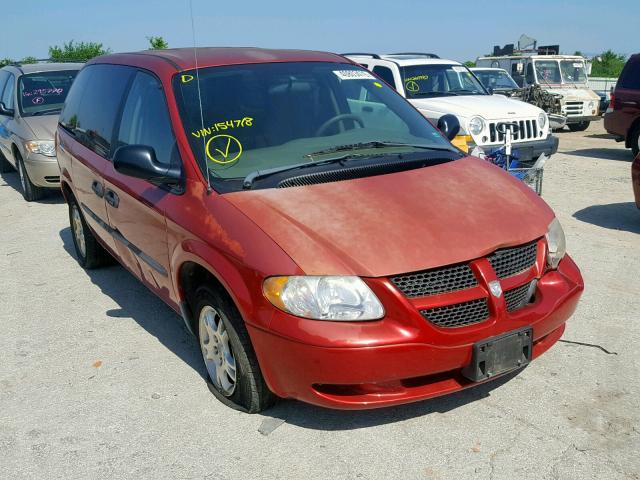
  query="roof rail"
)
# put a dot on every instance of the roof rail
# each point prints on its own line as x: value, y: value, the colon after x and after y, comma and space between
x: 359, y: 54
x: 417, y: 54
x: 20, y: 63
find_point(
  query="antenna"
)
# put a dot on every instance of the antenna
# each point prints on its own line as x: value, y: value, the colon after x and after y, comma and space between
x: 195, y: 56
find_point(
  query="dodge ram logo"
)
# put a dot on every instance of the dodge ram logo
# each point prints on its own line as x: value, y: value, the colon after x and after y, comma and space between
x: 495, y: 288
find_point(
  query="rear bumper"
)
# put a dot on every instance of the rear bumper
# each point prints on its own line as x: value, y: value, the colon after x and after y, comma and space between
x: 43, y: 171
x: 414, y: 365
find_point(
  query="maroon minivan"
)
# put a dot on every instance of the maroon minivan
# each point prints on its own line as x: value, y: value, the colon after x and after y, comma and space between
x: 622, y: 118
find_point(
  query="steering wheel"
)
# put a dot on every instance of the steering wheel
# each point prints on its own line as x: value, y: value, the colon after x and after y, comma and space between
x: 338, y: 118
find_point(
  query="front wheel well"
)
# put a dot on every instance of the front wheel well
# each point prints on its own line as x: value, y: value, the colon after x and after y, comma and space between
x: 192, y: 275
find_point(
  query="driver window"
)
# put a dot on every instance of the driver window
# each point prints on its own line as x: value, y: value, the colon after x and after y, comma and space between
x: 386, y: 74
x: 530, y: 78
x: 7, y: 95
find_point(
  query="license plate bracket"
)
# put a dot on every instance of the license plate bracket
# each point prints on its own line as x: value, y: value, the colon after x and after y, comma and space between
x: 500, y: 354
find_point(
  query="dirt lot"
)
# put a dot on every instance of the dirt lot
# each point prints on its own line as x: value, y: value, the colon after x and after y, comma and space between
x: 98, y: 378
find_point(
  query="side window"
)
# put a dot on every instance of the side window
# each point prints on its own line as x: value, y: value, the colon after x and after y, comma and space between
x: 630, y: 77
x: 93, y: 121
x: 69, y: 114
x: 8, y: 93
x: 145, y: 118
x: 3, y: 79
x: 530, y: 78
x: 386, y: 74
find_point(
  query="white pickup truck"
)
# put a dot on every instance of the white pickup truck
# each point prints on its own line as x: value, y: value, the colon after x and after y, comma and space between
x: 437, y: 87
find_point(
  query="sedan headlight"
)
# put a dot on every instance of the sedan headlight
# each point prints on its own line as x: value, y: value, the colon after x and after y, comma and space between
x: 542, y: 119
x: 324, y: 298
x: 43, y: 147
x: 556, y: 244
x: 476, y: 125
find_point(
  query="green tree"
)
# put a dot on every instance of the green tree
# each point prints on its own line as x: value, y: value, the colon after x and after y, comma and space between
x: 608, y: 64
x: 6, y: 61
x: 470, y: 63
x: 157, y: 43
x: 80, y: 52
x: 27, y: 60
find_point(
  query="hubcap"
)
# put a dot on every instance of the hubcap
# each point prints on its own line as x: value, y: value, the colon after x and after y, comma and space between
x: 216, y: 350
x: 78, y: 230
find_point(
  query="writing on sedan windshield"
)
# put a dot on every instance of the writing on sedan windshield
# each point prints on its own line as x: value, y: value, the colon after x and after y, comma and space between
x: 43, y: 91
x: 224, y: 149
x: 224, y: 125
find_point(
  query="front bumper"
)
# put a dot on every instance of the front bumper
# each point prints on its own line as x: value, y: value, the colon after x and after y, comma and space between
x: 593, y: 118
x: 401, y: 358
x: 528, y: 151
x: 43, y: 171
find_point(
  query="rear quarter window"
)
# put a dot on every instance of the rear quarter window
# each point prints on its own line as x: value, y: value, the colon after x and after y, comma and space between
x: 92, y: 106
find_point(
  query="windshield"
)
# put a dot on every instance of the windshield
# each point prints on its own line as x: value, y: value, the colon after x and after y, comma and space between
x: 548, y: 71
x: 44, y: 92
x: 422, y: 81
x: 272, y: 115
x: 496, y: 79
x: 573, y: 71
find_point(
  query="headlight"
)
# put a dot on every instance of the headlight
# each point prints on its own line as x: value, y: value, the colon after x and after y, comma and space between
x: 556, y: 244
x: 43, y: 147
x: 542, y: 120
x: 476, y: 125
x: 591, y: 105
x: 323, y: 298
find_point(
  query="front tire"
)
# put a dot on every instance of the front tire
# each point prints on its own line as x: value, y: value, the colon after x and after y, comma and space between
x: 30, y: 192
x: 579, y: 127
x: 5, y: 166
x: 234, y: 375
x: 89, y: 253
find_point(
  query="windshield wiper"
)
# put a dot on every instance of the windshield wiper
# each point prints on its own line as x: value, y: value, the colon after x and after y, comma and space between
x: 46, y: 112
x: 374, y: 144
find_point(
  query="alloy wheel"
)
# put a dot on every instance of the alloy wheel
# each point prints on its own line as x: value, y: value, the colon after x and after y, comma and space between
x: 216, y: 350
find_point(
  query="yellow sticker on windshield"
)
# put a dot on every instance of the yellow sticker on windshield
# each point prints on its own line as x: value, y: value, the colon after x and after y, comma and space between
x: 412, y: 86
x: 377, y: 84
x: 223, y: 149
x: 186, y: 78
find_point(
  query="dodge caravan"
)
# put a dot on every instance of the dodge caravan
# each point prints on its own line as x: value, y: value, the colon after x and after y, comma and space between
x: 319, y: 237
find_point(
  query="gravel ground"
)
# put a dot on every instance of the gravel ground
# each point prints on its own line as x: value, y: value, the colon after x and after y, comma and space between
x: 98, y: 378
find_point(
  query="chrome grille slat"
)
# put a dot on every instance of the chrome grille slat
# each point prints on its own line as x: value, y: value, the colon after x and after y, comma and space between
x: 528, y: 130
x: 458, y: 315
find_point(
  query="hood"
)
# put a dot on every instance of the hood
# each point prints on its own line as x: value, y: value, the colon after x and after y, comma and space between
x: 572, y: 94
x: 489, y: 107
x: 399, y: 222
x: 44, y: 127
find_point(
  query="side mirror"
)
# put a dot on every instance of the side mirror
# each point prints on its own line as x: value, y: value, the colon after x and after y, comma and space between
x: 140, y: 161
x: 6, y: 111
x: 449, y: 125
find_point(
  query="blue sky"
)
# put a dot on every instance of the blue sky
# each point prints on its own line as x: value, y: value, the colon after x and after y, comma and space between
x: 460, y: 29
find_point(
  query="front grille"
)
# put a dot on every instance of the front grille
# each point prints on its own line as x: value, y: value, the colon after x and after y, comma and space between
x: 527, y: 130
x: 439, y: 280
x: 573, y: 109
x: 518, y: 297
x: 508, y: 262
x: 458, y: 315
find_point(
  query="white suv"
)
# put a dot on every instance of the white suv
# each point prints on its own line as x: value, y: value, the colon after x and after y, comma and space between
x: 437, y: 87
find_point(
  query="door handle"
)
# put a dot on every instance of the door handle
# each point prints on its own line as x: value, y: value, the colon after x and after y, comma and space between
x: 97, y: 188
x: 112, y: 198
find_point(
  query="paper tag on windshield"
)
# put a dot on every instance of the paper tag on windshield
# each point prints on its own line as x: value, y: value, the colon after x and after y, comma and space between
x: 353, y: 75
x: 459, y: 69
x: 577, y: 65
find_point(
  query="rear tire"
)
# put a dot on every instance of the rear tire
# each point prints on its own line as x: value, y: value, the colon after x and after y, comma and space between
x: 5, y: 166
x: 234, y: 375
x: 89, y: 253
x: 634, y: 140
x: 579, y: 127
x: 30, y: 192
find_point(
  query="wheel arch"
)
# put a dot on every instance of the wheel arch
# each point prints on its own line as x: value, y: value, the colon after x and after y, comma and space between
x: 635, y: 125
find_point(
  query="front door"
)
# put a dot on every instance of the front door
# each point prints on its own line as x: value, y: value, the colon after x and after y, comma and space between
x: 136, y: 207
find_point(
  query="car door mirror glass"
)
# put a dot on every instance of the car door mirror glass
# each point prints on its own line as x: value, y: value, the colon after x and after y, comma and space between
x: 449, y: 125
x: 140, y: 161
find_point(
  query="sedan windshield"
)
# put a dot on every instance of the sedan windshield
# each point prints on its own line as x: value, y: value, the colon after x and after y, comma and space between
x: 44, y: 92
x: 244, y: 119
x: 496, y: 79
x: 439, y: 80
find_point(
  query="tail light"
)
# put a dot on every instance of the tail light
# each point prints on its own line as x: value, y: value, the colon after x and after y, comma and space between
x: 612, y: 101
